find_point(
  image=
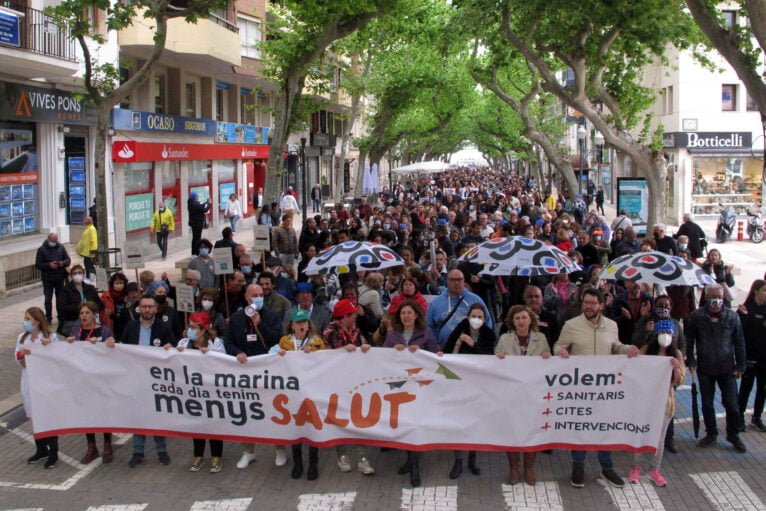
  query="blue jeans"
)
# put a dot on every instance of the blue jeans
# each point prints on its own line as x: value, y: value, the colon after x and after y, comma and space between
x: 728, y: 385
x: 317, y: 203
x: 140, y: 440
x: 233, y: 220
x: 604, y: 459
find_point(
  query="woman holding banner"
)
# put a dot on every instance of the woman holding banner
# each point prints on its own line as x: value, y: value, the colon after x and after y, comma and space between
x: 90, y: 331
x: 660, y: 343
x: 523, y: 339
x: 409, y: 331
x: 36, y: 329
x: 200, y: 337
x: 471, y: 336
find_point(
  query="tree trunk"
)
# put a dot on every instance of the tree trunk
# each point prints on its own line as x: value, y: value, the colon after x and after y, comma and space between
x: 101, y: 167
x: 359, y: 181
x: 275, y: 165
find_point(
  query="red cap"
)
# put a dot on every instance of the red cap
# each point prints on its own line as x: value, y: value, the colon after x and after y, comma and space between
x: 343, y: 308
x: 201, y: 318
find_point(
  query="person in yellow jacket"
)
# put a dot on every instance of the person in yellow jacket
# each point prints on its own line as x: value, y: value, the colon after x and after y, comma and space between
x: 87, y: 245
x: 162, y: 225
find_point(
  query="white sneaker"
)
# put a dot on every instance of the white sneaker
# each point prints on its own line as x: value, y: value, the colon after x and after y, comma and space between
x: 281, y: 459
x: 246, y: 459
x: 344, y: 464
x: 364, y: 467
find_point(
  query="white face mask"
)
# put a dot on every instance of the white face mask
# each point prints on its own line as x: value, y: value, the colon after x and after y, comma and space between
x: 78, y: 278
x: 475, y: 323
x: 207, y: 304
x: 664, y: 339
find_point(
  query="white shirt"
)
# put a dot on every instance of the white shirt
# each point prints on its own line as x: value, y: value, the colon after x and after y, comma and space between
x: 288, y: 202
x: 233, y: 208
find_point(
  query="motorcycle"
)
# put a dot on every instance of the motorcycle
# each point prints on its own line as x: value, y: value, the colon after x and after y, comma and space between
x: 755, y: 226
x: 727, y: 219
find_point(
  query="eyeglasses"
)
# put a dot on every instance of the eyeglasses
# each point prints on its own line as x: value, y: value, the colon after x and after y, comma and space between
x: 456, y: 280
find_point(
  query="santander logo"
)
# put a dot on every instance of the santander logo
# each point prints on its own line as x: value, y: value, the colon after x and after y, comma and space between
x: 126, y: 152
x: 169, y: 152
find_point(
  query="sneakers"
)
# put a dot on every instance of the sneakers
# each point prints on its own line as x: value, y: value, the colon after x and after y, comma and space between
x: 634, y: 477
x: 578, y: 477
x: 281, y: 458
x: 246, y: 459
x: 163, y: 458
x: 136, y: 459
x: 612, y: 478
x: 758, y: 424
x: 344, y: 464
x: 39, y: 455
x: 364, y: 467
x: 197, y: 462
x: 53, y: 457
x: 216, y: 464
x: 708, y: 440
x: 739, y: 446
x: 657, y: 478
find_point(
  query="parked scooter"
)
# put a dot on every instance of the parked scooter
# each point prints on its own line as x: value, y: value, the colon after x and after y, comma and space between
x: 727, y: 220
x: 755, y: 226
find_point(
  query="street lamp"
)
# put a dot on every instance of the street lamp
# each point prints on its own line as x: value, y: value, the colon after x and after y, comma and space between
x: 582, y: 136
x: 303, y: 177
x: 598, y: 139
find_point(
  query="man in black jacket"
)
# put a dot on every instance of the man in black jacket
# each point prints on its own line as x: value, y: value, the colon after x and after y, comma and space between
x: 715, y: 347
x: 197, y: 212
x: 52, y: 260
x: 695, y: 234
x: 148, y: 331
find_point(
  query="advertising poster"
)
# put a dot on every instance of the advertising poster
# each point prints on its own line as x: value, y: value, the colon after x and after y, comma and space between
x: 138, y: 211
x: 224, y: 192
x: 633, y: 197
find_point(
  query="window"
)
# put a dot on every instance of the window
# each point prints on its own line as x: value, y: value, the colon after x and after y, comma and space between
x: 750, y: 104
x: 124, y: 75
x: 219, y: 95
x: 669, y: 100
x: 729, y: 18
x: 249, y: 36
x: 190, y: 90
x: 728, y: 98
x: 159, y: 94
x: 264, y: 110
x: 247, y: 112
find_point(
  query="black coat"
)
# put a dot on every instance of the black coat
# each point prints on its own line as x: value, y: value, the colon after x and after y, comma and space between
x: 47, y: 255
x: 69, y: 300
x: 484, y: 346
x: 160, y: 330
x: 754, y: 329
x: 240, y: 327
x: 197, y: 212
x: 695, y: 233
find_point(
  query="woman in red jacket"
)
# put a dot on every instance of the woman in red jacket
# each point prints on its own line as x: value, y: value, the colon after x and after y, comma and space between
x: 409, y: 291
x: 113, y: 299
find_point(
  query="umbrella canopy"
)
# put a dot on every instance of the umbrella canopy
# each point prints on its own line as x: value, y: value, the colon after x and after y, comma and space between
x: 425, y: 167
x: 361, y: 254
x: 656, y: 268
x: 517, y: 255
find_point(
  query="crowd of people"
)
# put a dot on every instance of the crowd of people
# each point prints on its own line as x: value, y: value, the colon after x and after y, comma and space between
x: 433, y: 302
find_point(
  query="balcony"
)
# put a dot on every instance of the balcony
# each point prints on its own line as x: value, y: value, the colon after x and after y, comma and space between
x: 211, y: 45
x: 44, y: 49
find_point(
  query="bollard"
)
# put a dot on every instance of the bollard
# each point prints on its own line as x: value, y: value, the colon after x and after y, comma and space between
x: 740, y: 230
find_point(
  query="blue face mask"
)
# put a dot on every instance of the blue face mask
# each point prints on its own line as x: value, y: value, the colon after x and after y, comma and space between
x: 246, y: 269
x: 191, y: 334
x: 204, y: 252
x: 257, y: 302
x: 28, y: 326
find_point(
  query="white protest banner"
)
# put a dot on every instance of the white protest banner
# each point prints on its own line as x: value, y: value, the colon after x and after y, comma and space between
x: 223, y: 261
x: 261, y: 239
x: 184, y: 298
x: 384, y: 397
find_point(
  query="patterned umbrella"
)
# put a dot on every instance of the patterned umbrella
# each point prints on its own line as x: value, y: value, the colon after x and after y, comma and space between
x: 517, y: 255
x: 656, y: 268
x: 362, y: 255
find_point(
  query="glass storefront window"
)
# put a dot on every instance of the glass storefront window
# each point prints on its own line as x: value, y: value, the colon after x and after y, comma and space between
x: 19, y: 192
x: 735, y: 175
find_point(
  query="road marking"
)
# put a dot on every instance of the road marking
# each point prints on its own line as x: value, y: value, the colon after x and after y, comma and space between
x: 27, y: 509
x: 326, y: 501
x: 119, y: 507
x: 543, y: 495
x: 727, y: 490
x: 221, y: 505
x: 429, y: 498
x: 633, y: 496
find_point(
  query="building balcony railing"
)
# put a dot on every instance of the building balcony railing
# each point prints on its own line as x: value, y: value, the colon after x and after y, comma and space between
x: 38, y: 33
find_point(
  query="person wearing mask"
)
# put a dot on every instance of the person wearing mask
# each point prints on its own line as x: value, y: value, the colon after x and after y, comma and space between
x: 285, y: 241
x: 271, y: 299
x: 197, y: 212
x: 130, y: 311
x: 90, y: 331
x: 472, y: 335
x: 408, y: 331
x: 74, y: 293
x: 661, y: 343
x: 52, y: 261
x: 205, y: 265
x: 319, y: 314
x: 664, y: 244
x: 301, y: 336
x: 451, y: 307
x: 200, y: 336
x: 715, y: 349
x: 522, y: 339
x: 113, y: 299
x: 343, y: 334
x: 36, y: 330
x: 253, y: 331
x: 233, y: 211
x: 148, y: 331
x: 207, y: 299
x: 87, y: 245
x: 162, y: 225
x: 246, y: 267
x: 752, y: 315
x: 695, y: 236
x: 165, y: 313
x: 591, y: 333
x: 603, y: 248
